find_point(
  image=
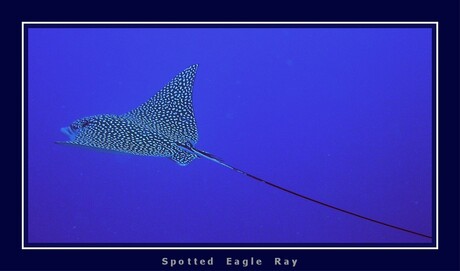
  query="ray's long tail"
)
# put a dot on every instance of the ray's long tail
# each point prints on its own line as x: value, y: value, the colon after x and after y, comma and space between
x: 217, y: 160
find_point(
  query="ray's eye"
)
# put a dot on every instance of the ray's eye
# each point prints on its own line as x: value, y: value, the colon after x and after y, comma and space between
x: 73, y: 127
x: 84, y: 123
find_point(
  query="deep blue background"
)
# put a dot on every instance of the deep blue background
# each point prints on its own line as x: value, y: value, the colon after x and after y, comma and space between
x: 340, y: 115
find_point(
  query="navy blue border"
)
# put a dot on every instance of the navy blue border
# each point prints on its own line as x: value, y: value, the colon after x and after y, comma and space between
x: 446, y: 12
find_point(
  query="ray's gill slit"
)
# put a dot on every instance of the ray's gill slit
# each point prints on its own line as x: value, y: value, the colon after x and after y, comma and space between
x: 165, y: 126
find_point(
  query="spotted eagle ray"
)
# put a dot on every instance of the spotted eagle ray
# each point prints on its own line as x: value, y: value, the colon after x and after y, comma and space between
x: 165, y: 126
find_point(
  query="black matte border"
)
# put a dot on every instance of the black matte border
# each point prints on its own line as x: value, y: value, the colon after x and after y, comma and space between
x: 446, y: 12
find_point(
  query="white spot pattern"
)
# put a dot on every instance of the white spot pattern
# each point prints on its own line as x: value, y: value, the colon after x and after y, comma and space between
x: 152, y: 129
x: 170, y: 111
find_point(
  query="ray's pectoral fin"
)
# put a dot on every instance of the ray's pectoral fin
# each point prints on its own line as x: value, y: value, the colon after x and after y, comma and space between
x: 182, y: 157
x: 76, y: 144
x: 170, y: 111
x: 66, y: 143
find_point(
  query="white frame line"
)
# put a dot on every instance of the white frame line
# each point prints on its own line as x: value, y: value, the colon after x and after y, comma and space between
x: 228, y: 248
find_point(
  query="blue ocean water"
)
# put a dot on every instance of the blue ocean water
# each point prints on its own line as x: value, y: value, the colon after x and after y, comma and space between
x: 342, y: 115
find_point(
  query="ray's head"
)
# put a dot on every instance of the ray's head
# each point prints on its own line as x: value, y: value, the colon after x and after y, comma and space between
x: 76, y: 127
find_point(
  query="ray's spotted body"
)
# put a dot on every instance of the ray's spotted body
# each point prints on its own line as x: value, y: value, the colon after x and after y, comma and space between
x: 159, y: 127
x: 165, y: 126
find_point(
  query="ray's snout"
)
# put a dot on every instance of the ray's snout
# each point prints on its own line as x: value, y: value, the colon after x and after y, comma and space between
x: 69, y: 132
